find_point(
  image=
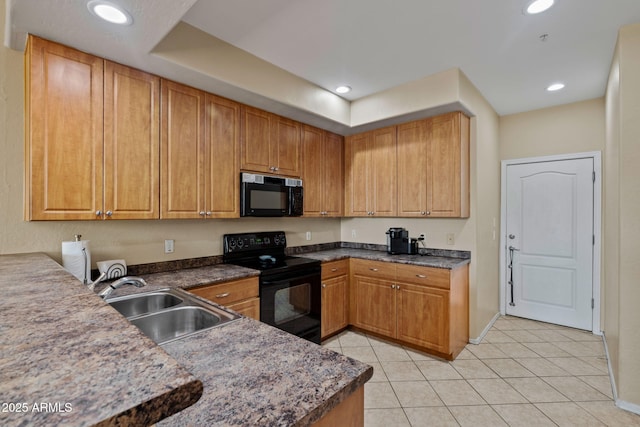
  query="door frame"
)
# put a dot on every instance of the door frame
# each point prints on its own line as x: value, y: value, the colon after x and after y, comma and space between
x: 596, y: 156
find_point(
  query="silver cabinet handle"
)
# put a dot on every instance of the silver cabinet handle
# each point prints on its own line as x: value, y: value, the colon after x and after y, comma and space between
x: 108, y: 213
x: 423, y: 213
x: 226, y: 294
x: 324, y: 285
x: 421, y: 276
x: 398, y: 287
x: 373, y: 269
x: 208, y: 213
x: 333, y: 270
x: 428, y: 212
x: 393, y: 286
x: 98, y: 213
x: 201, y: 213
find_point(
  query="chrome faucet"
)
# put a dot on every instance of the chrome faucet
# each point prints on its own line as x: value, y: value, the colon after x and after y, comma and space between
x: 138, y: 282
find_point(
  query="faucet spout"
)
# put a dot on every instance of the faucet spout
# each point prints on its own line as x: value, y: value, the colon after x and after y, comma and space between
x: 138, y: 282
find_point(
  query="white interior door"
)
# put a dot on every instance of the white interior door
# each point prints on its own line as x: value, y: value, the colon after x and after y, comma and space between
x: 549, y: 243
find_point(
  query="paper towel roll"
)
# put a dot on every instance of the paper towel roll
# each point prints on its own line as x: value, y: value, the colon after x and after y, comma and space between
x: 76, y: 259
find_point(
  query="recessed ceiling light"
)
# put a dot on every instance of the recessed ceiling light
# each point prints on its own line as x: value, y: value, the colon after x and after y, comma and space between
x: 556, y: 86
x: 110, y: 12
x: 343, y: 89
x: 537, y: 6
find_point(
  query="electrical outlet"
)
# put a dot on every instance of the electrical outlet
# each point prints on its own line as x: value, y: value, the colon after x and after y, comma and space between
x: 353, y: 233
x: 308, y: 235
x: 422, y: 236
x: 451, y: 239
x: 168, y: 246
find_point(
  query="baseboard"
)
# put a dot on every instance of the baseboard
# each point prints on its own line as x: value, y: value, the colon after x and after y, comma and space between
x: 627, y: 406
x: 478, y: 340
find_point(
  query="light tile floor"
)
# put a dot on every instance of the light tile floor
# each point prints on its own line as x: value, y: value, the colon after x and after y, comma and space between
x: 524, y: 373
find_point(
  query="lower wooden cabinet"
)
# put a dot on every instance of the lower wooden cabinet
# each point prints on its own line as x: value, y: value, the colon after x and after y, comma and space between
x: 335, y: 302
x: 421, y: 306
x: 239, y: 295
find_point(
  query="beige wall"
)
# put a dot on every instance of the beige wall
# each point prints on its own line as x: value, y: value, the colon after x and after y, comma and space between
x: 622, y: 228
x: 570, y: 128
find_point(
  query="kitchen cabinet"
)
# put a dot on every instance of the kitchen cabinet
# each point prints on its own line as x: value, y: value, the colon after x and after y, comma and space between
x: 239, y: 295
x: 270, y: 143
x: 199, y: 154
x: 371, y: 173
x: 91, y: 135
x: 335, y: 302
x: 419, y: 306
x: 433, y: 167
x: 322, y: 172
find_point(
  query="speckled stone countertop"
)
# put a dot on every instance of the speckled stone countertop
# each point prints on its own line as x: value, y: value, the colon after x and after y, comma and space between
x: 67, y: 358
x: 425, y: 261
x: 257, y: 375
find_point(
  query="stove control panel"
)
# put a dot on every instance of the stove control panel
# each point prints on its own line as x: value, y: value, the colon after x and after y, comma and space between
x: 245, y: 242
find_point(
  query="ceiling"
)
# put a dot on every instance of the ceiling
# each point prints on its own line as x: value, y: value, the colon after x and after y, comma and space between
x: 370, y: 45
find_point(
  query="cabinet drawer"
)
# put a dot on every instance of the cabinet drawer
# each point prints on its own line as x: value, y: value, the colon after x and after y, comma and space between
x: 427, y: 276
x: 377, y: 269
x: 229, y: 292
x: 335, y: 269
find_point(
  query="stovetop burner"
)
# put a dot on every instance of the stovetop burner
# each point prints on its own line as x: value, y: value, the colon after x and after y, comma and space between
x: 263, y: 251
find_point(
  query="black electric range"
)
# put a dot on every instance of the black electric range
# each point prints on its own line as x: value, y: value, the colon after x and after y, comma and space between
x: 290, y: 288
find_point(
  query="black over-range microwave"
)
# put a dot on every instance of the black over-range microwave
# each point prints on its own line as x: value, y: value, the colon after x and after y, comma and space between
x: 262, y: 195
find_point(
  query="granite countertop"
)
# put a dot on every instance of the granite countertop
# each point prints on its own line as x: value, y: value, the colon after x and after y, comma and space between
x: 256, y: 375
x: 421, y: 260
x: 67, y: 358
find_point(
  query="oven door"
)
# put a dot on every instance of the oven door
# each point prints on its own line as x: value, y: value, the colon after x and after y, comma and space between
x: 292, y: 304
x: 268, y: 199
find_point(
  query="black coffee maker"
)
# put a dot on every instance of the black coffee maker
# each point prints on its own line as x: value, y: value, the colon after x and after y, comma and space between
x: 399, y: 242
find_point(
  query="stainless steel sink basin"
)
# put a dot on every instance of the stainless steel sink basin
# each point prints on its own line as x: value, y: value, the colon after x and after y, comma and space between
x: 136, y: 305
x: 171, y: 324
x: 169, y: 314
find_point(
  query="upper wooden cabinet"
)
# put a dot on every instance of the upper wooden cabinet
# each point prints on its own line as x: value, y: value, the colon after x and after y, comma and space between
x: 91, y: 137
x: 433, y: 167
x: 371, y: 173
x: 322, y: 172
x: 270, y: 143
x: 199, y: 169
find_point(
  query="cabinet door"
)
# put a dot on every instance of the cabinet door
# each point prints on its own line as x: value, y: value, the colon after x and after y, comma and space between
x: 255, y: 140
x: 131, y: 143
x: 334, y: 305
x: 313, y: 170
x: 64, y: 141
x: 333, y: 160
x: 423, y: 316
x: 182, y: 151
x: 412, y: 168
x: 284, y: 146
x: 375, y: 306
x: 383, y: 172
x: 448, y: 166
x: 249, y: 308
x: 222, y: 177
x: 357, y: 163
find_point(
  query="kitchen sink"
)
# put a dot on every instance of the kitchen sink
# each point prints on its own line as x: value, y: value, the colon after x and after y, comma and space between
x: 170, y: 324
x: 169, y: 314
x: 135, y: 305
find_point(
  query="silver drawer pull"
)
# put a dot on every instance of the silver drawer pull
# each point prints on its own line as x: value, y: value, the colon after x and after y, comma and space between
x: 334, y: 270
x: 422, y: 276
x: 226, y: 294
x: 324, y: 285
x: 373, y: 269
